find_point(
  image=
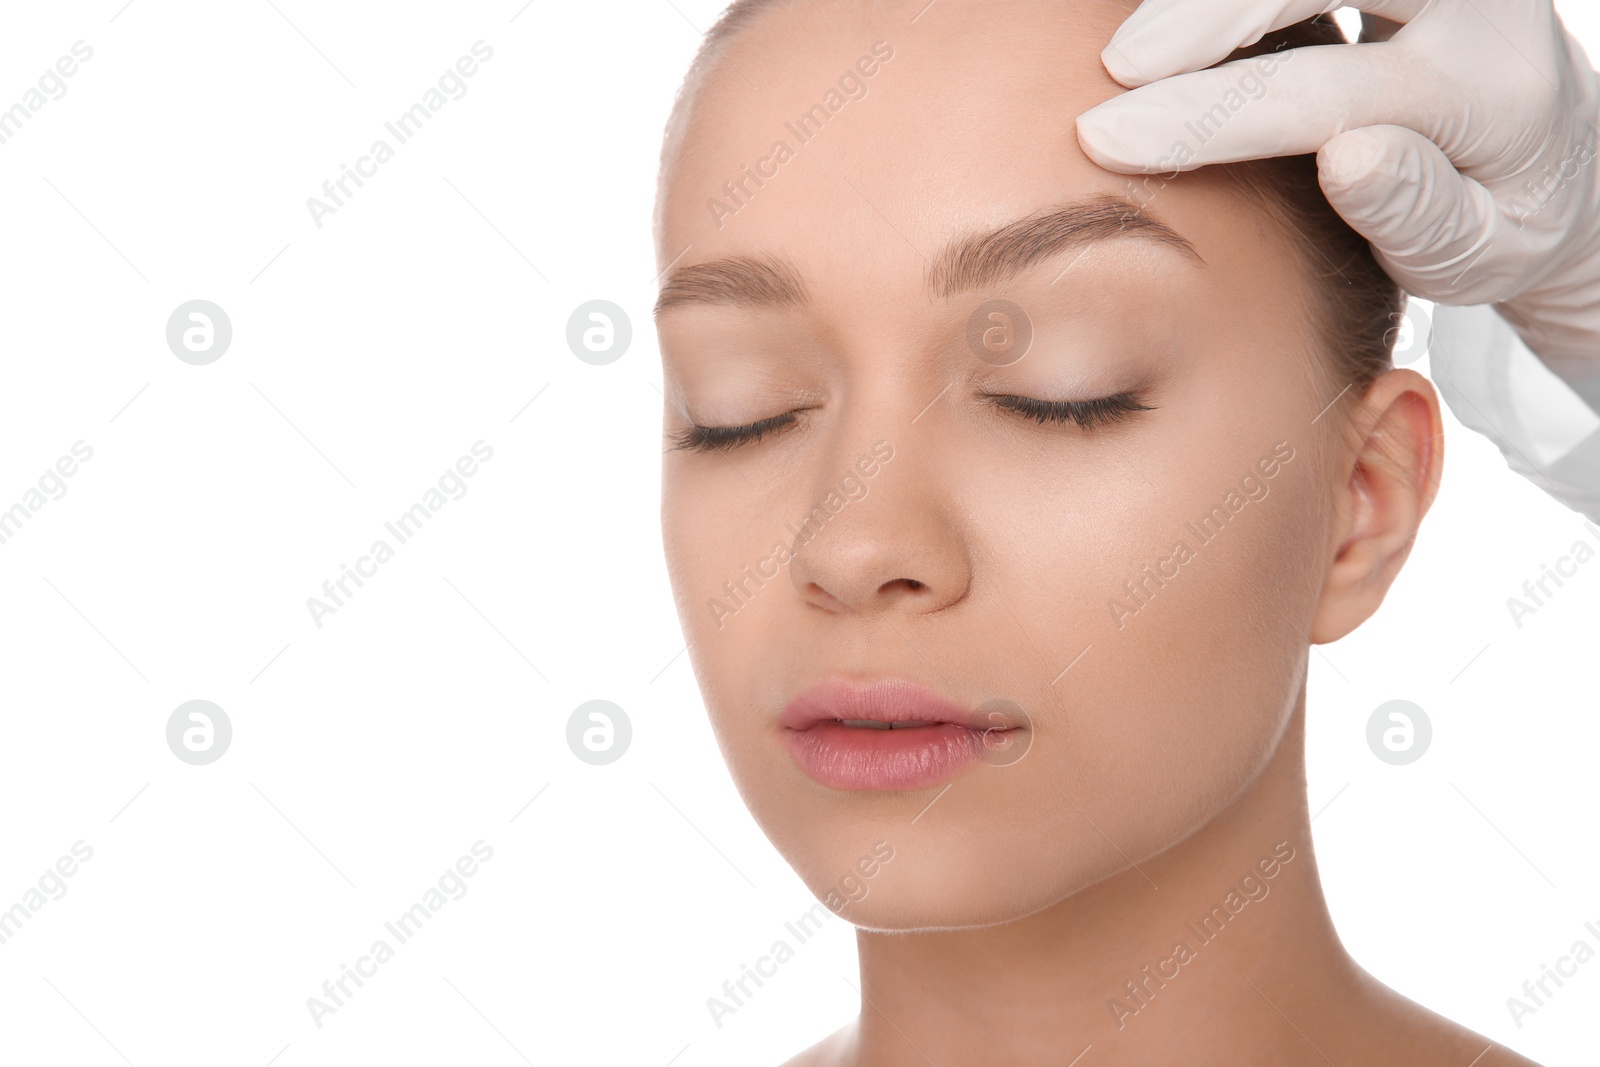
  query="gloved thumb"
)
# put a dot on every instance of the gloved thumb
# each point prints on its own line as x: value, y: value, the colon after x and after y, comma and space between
x: 1429, y: 224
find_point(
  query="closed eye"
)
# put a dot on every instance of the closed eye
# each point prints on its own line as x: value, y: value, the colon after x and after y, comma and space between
x: 1087, y: 414
x: 714, y: 438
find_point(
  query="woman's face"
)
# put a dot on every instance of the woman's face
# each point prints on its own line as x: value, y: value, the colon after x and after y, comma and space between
x: 1134, y: 592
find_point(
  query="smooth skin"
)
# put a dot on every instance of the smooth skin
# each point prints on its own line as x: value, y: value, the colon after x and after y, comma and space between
x: 1165, y: 761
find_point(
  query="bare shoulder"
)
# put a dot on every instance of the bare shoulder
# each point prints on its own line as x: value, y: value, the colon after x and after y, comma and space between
x: 828, y: 1052
x: 1412, y: 1035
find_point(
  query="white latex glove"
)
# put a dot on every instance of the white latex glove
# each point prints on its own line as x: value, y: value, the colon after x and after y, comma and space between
x: 1496, y: 386
x: 1464, y: 148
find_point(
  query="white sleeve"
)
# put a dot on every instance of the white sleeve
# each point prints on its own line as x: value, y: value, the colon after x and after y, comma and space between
x: 1547, y: 425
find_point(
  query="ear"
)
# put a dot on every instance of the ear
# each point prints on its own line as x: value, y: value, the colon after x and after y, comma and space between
x: 1388, y: 474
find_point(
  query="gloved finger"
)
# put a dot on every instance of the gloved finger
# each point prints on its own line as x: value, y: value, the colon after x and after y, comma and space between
x: 1166, y: 37
x: 1282, y: 104
x: 1434, y: 230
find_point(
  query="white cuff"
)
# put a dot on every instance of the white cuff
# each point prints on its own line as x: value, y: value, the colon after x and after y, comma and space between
x: 1548, y: 432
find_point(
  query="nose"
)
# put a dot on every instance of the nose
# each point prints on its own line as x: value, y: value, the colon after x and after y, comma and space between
x: 891, y: 542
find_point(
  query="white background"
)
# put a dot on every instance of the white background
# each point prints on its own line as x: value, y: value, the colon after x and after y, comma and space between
x: 424, y: 715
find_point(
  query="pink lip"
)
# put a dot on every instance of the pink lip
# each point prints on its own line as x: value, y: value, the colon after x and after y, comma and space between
x: 860, y: 757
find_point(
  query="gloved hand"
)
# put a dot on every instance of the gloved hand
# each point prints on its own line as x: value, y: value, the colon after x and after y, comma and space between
x: 1463, y: 147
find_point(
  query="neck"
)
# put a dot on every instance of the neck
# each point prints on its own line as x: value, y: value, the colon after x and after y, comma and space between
x: 1198, y: 942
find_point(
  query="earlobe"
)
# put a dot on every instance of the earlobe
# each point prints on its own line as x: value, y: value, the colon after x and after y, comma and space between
x: 1388, y: 479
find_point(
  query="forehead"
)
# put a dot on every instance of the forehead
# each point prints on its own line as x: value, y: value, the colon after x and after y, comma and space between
x: 856, y: 142
x: 892, y: 126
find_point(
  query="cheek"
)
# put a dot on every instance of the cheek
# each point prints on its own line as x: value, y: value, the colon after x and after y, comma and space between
x: 726, y: 559
x: 720, y: 549
x: 1192, y: 604
x: 1159, y: 723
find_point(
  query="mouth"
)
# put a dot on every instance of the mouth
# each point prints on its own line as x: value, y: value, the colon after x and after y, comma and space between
x: 889, y: 734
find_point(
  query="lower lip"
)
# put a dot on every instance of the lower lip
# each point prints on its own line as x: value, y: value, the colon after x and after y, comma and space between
x: 860, y: 757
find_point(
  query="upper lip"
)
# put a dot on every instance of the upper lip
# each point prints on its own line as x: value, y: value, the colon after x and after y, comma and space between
x: 880, y: 700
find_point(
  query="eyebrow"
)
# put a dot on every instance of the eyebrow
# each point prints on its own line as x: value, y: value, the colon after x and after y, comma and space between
x: 975, y: 261
x: 743, y: 281
x: 986, y: 259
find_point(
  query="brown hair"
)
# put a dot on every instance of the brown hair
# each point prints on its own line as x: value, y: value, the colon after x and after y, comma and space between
x: 1358, y: 307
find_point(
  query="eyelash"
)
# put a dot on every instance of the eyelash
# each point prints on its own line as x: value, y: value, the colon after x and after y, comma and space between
x: 1086, y: 414
x: 719, y: 438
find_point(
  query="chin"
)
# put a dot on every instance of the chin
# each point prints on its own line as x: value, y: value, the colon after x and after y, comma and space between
x: 953, y: 880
